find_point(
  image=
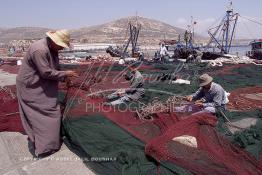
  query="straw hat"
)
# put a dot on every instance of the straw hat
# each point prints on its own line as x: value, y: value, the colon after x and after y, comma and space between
x: 205, y: 79
x: 60, y: 37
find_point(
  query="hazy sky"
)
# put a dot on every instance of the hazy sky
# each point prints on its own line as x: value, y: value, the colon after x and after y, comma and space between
x: 80, y: 13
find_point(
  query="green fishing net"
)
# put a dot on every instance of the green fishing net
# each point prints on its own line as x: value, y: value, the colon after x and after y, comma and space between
x: 94, y: 136
x: 108, y: 149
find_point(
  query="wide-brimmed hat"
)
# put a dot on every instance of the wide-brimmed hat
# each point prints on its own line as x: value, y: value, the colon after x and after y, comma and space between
x: 60, y: 37
x: 204, y: 80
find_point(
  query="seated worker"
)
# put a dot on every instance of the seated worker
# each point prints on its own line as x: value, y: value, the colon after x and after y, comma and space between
x: 134, y: 92
x: 157, y: 56
x: 208, y: 98
x: 1, y: 61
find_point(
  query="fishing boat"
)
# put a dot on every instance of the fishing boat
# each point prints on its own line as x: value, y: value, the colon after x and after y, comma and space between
x: 256, y: 50
x: 221, y: 36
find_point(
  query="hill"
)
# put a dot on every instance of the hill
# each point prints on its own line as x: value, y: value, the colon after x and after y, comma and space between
x: 112, y: 32
x: 8, y: 34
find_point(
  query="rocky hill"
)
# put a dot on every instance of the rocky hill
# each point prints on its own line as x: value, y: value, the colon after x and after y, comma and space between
x: 152, y: 31
x: 113, y: 32
x: 18, y: 33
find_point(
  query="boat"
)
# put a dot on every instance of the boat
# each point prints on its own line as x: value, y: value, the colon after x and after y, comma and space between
x: 256, y: 50
x: 221, y: 36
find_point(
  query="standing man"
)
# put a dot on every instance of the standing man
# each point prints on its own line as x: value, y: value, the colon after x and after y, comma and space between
x: 37, y: 92
x: 163, y: 52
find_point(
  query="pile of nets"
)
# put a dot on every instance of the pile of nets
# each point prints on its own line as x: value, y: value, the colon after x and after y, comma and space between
x: 194, y: 144
x: 108, y: 149
x: 9, y: 113
x: 122, y: 141
x: 10, y: 68
x: 246, y: 99
x: 114, y: 139
x: 245, y: 130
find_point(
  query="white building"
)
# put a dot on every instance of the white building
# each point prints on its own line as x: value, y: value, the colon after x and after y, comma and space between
x: 91, y: 46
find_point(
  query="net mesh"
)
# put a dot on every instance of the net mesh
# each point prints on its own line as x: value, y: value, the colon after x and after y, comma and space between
x: 210, y: 154
x: 180, y: 142
x: 9, y: 113
x: 115, y: 140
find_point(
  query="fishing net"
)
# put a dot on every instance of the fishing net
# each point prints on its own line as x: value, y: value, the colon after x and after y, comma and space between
x: 10, y: 67
x: 108, y: 149
x: 194, y: 144
x: 245, y: 76
x: 96, y: 132
x: 246, y: 99
x: 9, y: 113
x: 247, y: 134
x: 180, y: 142
x: 113, y: 140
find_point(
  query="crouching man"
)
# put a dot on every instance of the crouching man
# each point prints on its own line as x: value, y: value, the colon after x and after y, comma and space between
x: 209, y: 97
x: 133, y: 93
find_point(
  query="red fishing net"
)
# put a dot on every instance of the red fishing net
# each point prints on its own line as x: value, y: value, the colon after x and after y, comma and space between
x: 227, y: 69
x: 9, y: 113
x: 194, y: 144
x: 245, y: 99
x: 189, y: 141
x: 10, y: 68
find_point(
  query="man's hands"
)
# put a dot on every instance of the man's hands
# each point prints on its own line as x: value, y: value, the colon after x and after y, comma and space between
x: 198, y: 103
x: 189, y: 98
x: 120, y: 93
x: 70, y: 73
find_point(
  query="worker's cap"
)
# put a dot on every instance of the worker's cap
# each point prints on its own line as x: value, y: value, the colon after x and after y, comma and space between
x: 60, y: 37
x: 204, y: 80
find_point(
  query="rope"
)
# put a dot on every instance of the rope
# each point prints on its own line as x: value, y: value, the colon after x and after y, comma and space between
x: 71, y: 100
x: 217, y: 20
x: 156, y: 106
x: 235, y: 126
x: 9, y: 91
x: 224, y: 115
x: 232, y: 60
x: 229, y: 123
x: 248, y: 30
x: 252, y: 20
x: 3, y: 115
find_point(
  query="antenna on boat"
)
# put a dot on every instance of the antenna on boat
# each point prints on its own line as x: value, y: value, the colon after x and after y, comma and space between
x: 193, y: 23
x: 222, y: 35
x: 230, y: 6
x: 189, y: 34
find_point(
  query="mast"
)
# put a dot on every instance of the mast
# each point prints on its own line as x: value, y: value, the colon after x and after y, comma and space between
x: 227, y: 29
x: 227, y: 25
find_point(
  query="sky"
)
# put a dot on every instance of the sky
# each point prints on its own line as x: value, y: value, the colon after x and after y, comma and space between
x: 71, y: 14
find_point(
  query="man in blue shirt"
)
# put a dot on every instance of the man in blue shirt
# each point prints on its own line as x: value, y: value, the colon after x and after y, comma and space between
x: 208, y: 97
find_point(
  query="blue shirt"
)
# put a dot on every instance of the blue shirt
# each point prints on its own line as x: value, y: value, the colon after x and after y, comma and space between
x: 214, y: 97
